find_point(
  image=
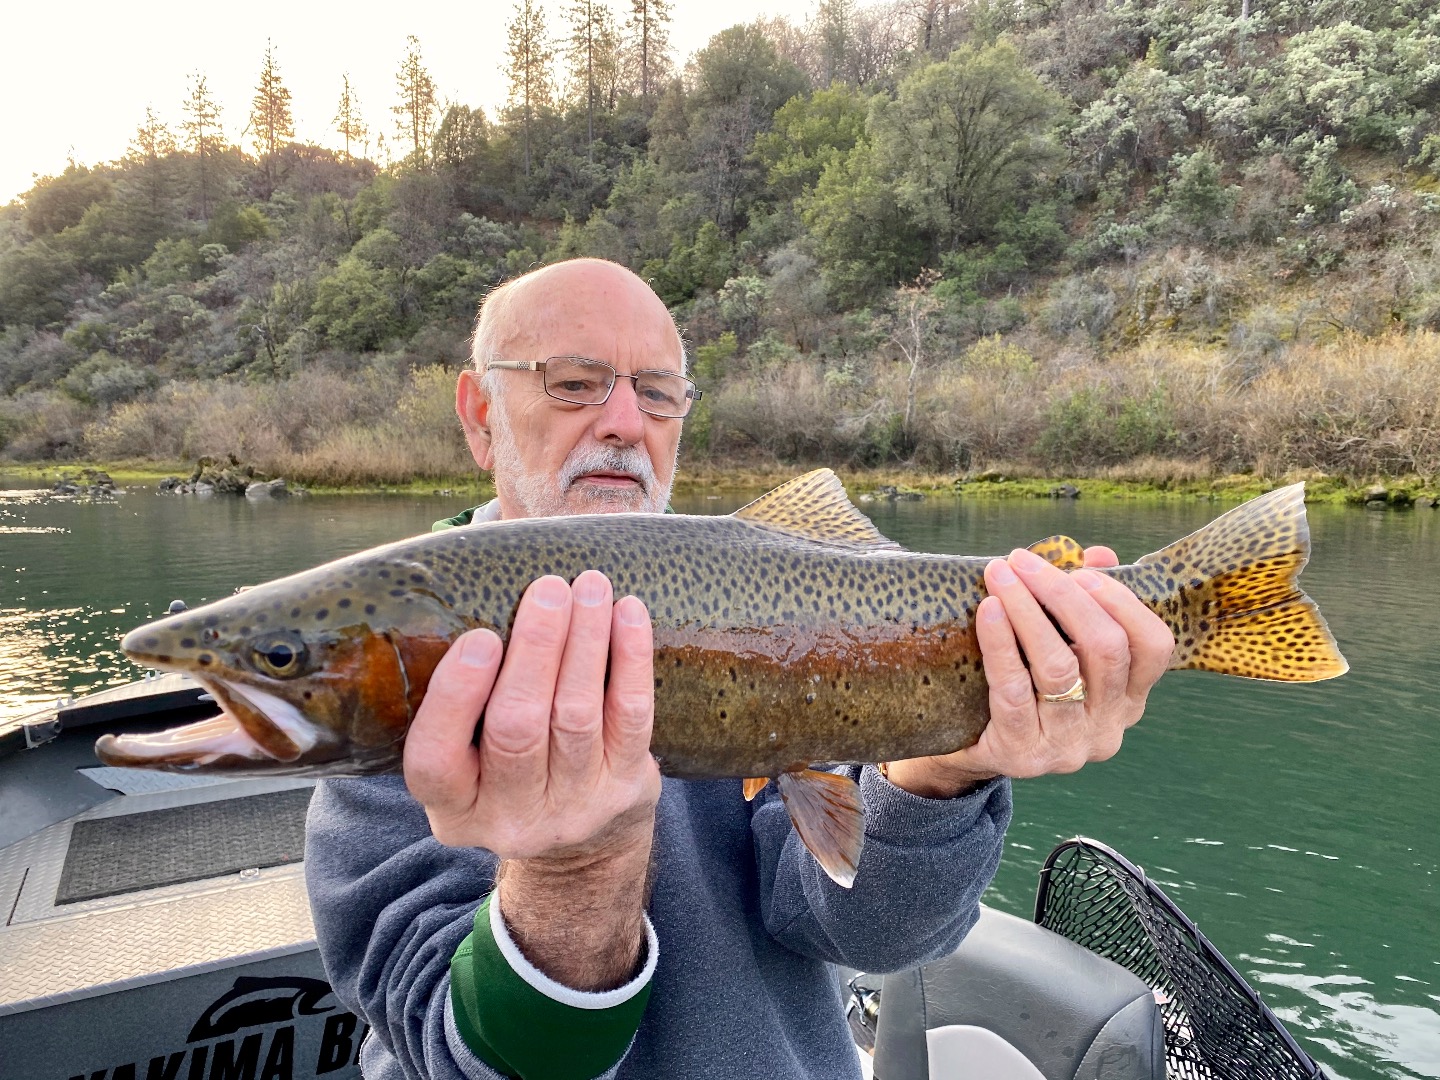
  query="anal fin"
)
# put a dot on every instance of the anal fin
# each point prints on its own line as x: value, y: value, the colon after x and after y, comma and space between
x: 753, y: 785
x: 828, y: 813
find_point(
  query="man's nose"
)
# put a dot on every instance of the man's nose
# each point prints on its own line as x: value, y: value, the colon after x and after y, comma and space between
x: 621, y: 420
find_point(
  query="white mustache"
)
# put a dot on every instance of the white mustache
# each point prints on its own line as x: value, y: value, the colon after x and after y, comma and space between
x: 631, y: 460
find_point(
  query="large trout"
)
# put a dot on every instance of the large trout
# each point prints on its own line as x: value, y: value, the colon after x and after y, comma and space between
x: 787, y: 634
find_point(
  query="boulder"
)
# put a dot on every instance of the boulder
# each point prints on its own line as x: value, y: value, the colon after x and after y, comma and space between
x: 1425, y: 502
x: 267, y: 489
x: 1376, y: 493
x: 1065, y: 491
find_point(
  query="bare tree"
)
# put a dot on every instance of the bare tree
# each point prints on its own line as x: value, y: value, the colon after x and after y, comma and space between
x: 348, y: 121
x: 415, y: 114
x: 913, y: 331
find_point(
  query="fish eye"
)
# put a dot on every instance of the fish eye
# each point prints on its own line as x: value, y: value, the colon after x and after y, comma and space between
x: 281, y: 655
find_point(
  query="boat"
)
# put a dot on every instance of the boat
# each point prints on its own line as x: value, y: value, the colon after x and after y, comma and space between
x: 157, y: 927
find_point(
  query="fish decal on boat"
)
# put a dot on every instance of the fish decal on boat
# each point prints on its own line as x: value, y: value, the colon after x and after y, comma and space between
x: 788, y: 634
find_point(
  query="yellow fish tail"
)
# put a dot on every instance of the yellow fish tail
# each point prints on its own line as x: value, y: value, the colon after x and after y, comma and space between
x: 1230, y: 593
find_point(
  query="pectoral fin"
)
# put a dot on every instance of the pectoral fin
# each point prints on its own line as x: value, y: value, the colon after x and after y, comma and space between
x: 753, y: 785
x: 829, y: 815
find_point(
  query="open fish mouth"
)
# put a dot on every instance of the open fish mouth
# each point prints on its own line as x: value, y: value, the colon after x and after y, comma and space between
x: 254, y: 728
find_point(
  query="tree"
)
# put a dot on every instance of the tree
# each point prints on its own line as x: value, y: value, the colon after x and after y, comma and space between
x: 963, y: 136
x: 202, y: 133
x: 415, y: 113
x: 348, y: 122
x: 592, y: 54
x: 834, y: 29
x: 529, y: 70
x: 271, y: 122
x: 863, y: 238
x: 739, y: 83
x: 914, y: 332
x: 808, y: 133
x: 649, y: 26
x: 150, y: 150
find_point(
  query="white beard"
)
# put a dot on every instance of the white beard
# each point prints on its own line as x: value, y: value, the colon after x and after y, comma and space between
x: 547, y: 495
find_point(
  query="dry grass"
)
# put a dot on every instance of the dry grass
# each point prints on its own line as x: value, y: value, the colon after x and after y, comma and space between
x: 1164, y: 413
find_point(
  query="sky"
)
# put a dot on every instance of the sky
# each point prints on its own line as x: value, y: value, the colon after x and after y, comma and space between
x: 77, y: 76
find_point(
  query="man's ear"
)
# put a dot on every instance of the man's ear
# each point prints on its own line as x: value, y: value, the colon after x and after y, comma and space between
x: 472, y: 404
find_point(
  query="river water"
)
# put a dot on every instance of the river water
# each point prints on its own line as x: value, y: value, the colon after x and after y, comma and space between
x: 1297, y: 825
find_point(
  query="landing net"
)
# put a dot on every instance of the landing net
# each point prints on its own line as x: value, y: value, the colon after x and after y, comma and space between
x: 1216, y: 1026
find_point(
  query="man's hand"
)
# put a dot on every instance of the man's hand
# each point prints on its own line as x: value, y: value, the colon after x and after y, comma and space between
x: 562, y: 785
x: 1120, y: 647
x: 563, y: 759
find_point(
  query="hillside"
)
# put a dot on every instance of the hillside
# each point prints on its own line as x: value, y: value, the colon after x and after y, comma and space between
x: 1159, y: 237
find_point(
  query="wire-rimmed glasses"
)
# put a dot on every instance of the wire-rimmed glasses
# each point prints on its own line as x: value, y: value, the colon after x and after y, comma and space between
x: 581, y: 381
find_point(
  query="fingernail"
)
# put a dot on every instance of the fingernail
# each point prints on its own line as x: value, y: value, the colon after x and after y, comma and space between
x: 589, y: 589
x: 991, y: 610
x: 1027, y: 562
x: 1001, y: 574
x: 632, y: 612
x: 479, y: 649
x: 549, y: 592
x: 1089, y: 580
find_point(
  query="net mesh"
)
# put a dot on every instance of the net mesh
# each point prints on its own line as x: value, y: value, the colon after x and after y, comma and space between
x: 1216, y: 1026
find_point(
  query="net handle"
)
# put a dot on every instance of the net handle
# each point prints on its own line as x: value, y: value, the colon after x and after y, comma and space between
x: 1202, y: 944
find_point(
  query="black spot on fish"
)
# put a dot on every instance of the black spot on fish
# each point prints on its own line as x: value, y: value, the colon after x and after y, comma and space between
x: 383, y: 573
x: 369, y: 609
x: 323, y: 613
x: 187, y: 643
x: 295, y: 613
x: 203, y: 659
x: 397, y: 592
x: 343, y: 602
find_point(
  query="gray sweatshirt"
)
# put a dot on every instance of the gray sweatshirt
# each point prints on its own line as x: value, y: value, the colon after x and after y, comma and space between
x: 747, y: 923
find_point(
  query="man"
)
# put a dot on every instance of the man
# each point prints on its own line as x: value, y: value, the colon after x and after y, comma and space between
x: 544, y: 905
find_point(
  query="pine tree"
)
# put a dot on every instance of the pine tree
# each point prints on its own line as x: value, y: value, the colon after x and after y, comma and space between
x: 348, y: 121
x: 415, y: 115
x: 592, y: 55
x: 529, y: 70
x: 152, y: 145
x: 202, y: 133
x: 271, y: 122
x: 650, y: 37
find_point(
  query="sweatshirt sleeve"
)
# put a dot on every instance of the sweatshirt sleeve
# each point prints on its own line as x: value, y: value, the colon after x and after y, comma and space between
x: 917, y: 889
x: 411, y: 943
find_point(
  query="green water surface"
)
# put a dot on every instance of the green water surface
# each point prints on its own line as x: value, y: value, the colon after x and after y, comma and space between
x: 1296, y: 824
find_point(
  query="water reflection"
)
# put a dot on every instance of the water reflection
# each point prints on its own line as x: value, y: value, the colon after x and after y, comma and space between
x: 1293, y: 823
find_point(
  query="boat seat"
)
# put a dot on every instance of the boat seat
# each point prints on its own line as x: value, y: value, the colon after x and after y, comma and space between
x: 1018, y: 1002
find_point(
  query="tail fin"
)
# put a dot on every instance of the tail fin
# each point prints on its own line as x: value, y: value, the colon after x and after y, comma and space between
x: 1229, y: 592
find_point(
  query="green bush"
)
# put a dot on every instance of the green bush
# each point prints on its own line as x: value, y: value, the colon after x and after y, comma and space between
x: 1087, y: 427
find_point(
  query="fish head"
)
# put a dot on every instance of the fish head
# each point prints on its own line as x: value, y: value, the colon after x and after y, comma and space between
x: 316, y: 674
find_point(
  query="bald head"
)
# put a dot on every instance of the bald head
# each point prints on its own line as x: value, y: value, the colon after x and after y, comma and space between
x: 579, y: 300
x: 553, y: 456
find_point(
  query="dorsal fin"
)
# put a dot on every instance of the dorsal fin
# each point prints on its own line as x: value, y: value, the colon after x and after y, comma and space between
x: 816, y: 507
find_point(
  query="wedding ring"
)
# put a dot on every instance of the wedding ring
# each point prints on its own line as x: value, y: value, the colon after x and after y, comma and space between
x: 1075, y: 693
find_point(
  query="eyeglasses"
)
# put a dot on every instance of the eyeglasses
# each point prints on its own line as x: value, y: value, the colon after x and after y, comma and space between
x: 589, y: 382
